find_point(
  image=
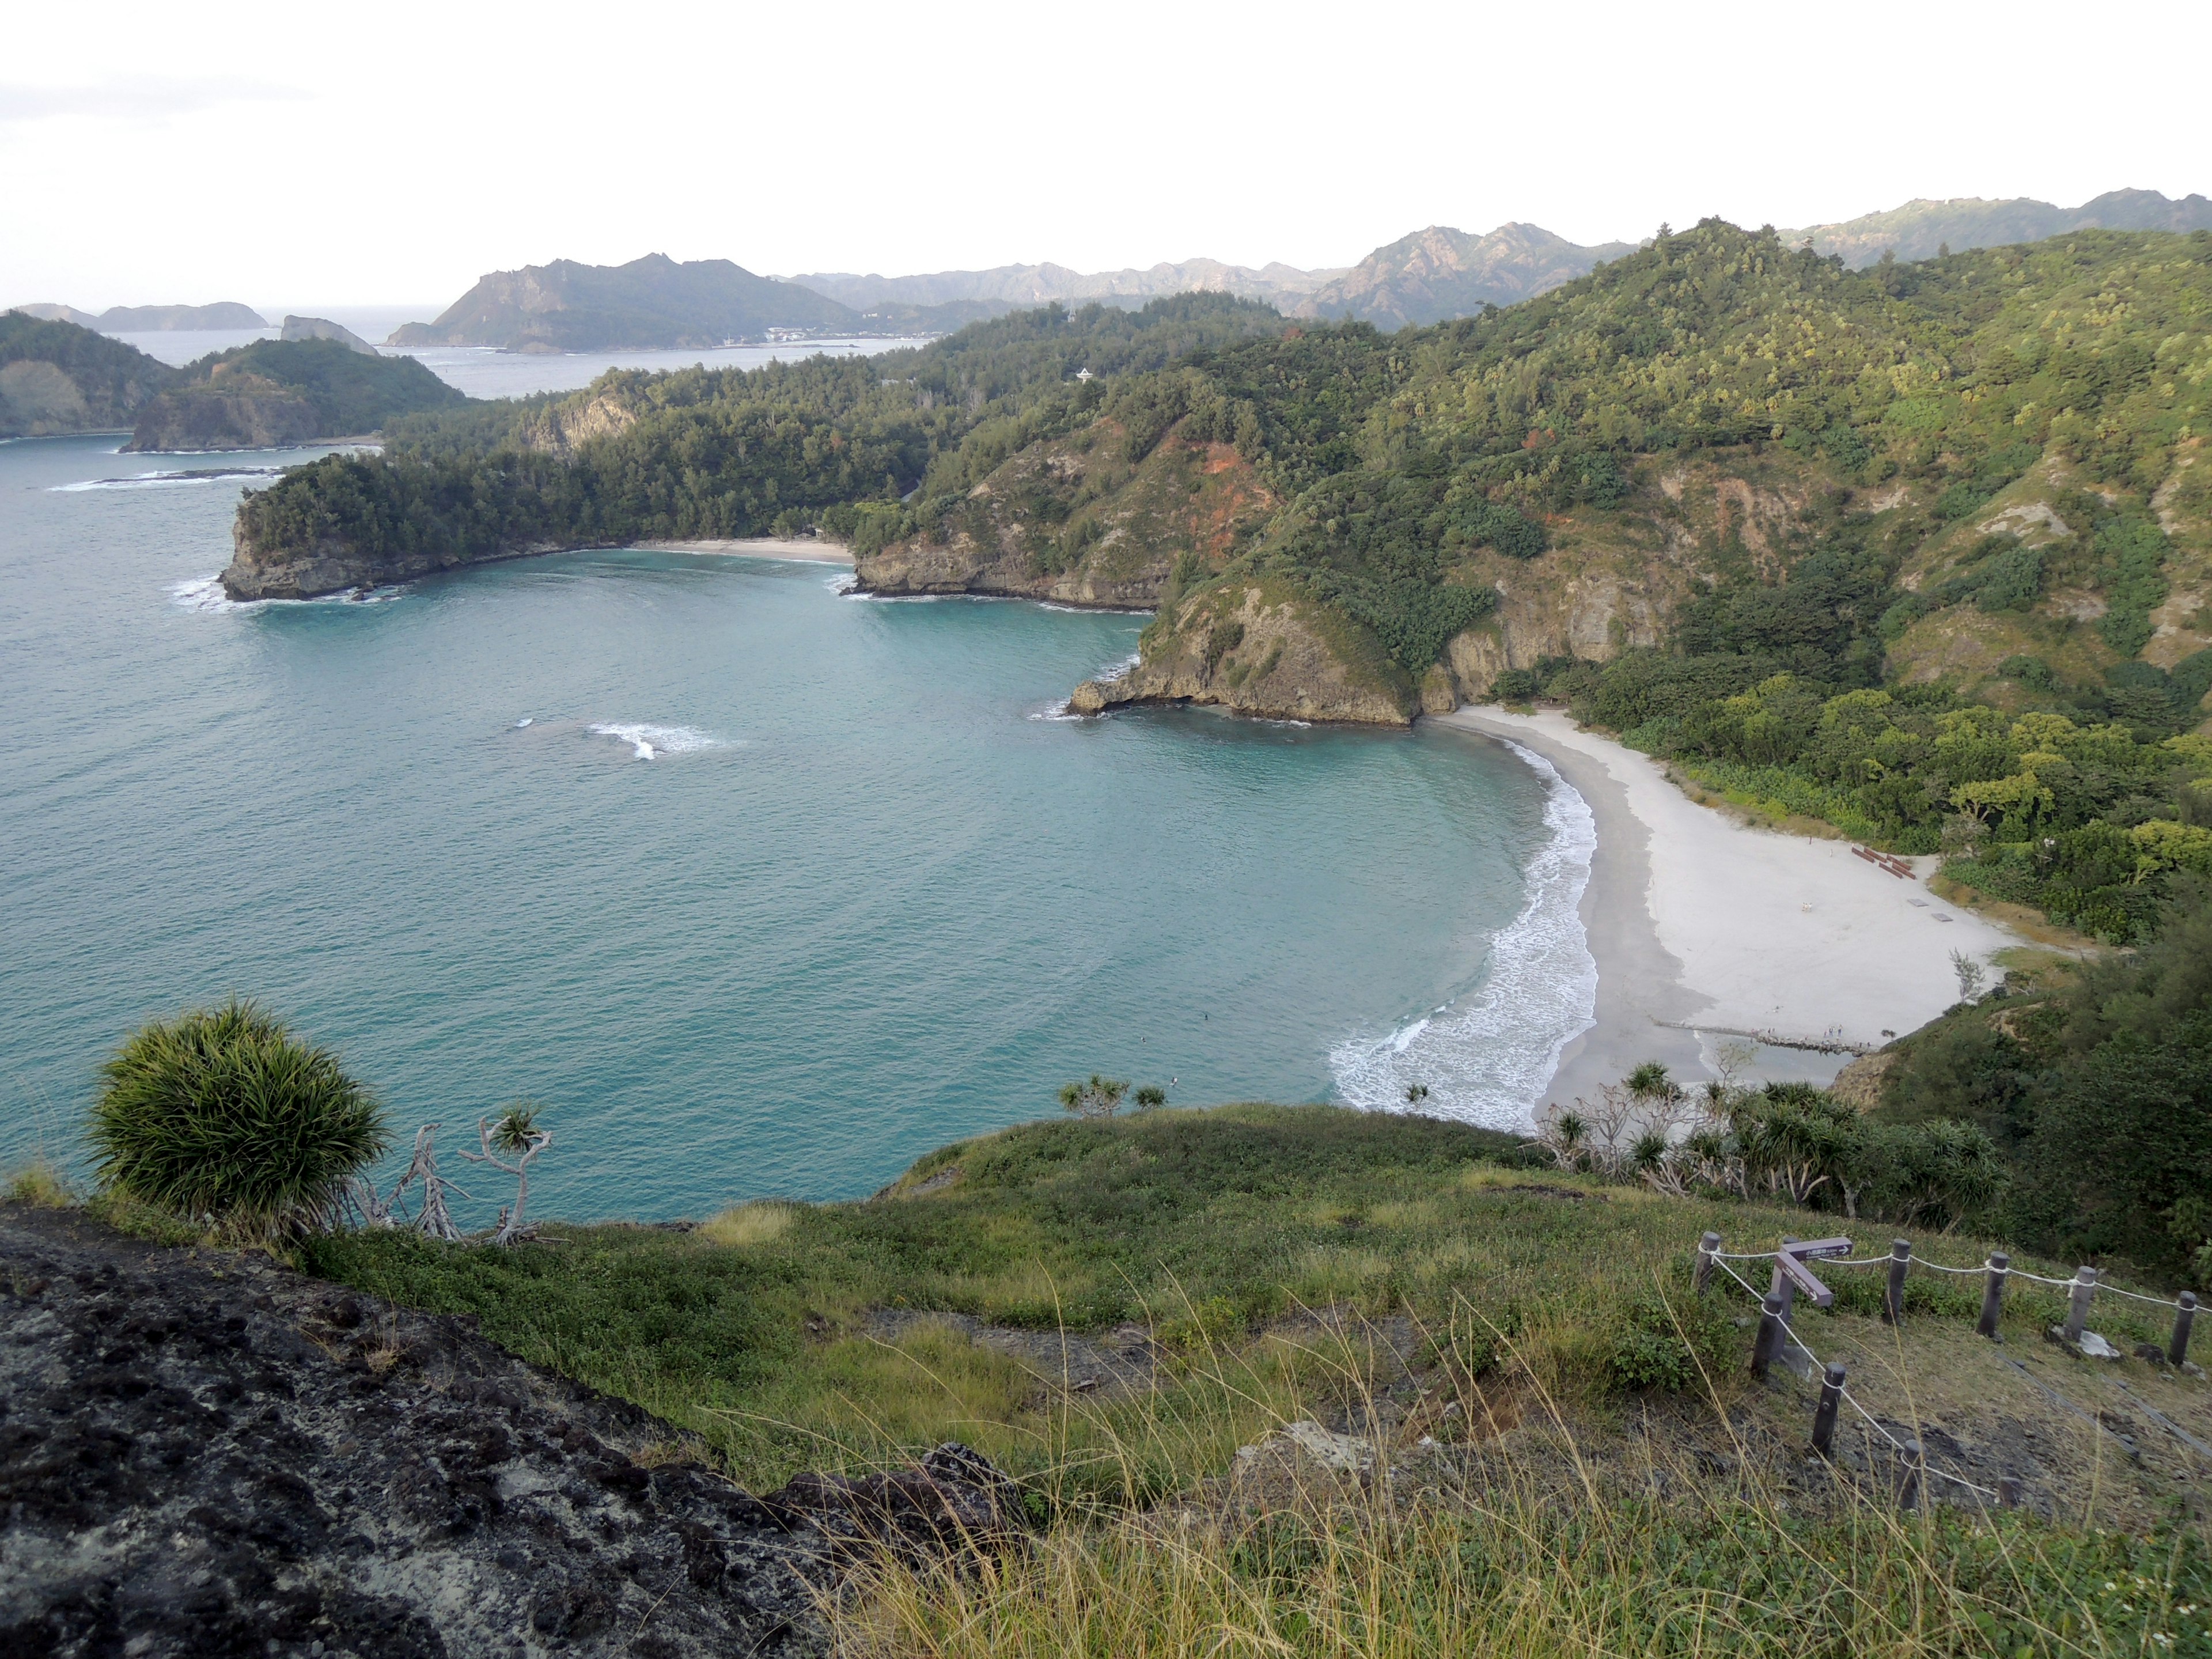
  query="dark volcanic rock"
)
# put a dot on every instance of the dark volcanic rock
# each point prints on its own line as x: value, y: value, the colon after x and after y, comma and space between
x: 205, y: 1454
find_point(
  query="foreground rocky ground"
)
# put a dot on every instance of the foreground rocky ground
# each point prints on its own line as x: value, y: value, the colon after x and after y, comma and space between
x: 202, y: 1453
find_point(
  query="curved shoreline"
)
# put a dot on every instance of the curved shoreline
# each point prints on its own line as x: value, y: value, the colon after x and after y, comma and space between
x: 1704, y: 928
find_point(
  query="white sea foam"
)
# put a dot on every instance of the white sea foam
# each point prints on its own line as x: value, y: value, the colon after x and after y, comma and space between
x: 844, y: 583
x: 160, y: 480
x: 205, y: 594
x: 649, y: 742
x: 1489, y: 1062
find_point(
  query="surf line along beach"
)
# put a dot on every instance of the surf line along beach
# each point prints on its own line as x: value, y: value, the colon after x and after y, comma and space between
x: 1704, y: 928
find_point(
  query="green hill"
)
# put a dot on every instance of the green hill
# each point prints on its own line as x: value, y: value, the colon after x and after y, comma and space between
x: 274, y: 393
x: 57, y: 377
x: 649, y: 302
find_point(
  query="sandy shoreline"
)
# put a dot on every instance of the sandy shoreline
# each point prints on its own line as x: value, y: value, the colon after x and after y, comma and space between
x: 757, y: 547
x: 1698, y: 922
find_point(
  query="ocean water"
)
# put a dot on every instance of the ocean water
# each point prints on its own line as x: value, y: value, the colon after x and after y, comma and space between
x: 762, y: 889
x: 485, y: 372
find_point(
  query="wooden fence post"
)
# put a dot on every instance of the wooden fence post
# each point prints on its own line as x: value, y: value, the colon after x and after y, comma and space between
x: 1768, y: 1339
x: 2008, y: 1492
x: 2177, y: 1350
x: 1993, y: 1294
x: 2077, y: 1309
x: 1824, y: 1414
x: 1709, y: 1249
x: 1893, y: 1301
x: 1910, y: 1497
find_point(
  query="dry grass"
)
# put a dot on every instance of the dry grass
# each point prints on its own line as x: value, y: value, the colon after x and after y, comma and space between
x: 748, y: 1226
x: 39, y: 1186
x: 1523, y: 1539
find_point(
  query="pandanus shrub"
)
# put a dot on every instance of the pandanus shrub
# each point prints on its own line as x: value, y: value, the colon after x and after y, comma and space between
x: 222, y: 1118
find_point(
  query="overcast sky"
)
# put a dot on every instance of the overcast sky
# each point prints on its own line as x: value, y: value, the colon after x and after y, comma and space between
x: 392, y: 154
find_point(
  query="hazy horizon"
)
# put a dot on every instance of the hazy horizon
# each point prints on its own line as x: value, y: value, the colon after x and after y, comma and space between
x: 411, y: 155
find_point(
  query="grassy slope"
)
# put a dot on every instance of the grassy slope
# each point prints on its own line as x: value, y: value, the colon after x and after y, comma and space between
x: 1533, y: 1297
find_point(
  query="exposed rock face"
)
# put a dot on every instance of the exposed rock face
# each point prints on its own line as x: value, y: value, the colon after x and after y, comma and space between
x: 1075, y: 521
x: 1261, y: 649
x: 212, y: 1456
x: 331, y: 565
x: 248, y: 412
x: 322, y: 328
x: 1440, y: 273
x: 203, y: 1454
x: 565, y: 427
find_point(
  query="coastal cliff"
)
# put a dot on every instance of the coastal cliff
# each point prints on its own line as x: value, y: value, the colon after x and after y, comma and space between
x: 1077, y: 521
x: 286, y: 568
x: 1260, y: 647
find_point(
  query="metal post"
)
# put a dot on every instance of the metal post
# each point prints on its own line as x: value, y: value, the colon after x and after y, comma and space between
x: 1993, y: 1294
x: 1893, y: 1301
x: 1824, y: 1414
x: 1768, y: 1339
x: 1909, y: 1498
x: 2077, y: 1310
x: 2177, y: 1350
x: 1709, y: 1249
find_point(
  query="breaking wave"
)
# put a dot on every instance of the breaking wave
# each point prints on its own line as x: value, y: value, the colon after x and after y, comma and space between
x: 649, y: 742
x: 1488, y: 1061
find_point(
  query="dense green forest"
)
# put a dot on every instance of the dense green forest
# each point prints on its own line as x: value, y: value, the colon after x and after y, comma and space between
x: 726, y: 452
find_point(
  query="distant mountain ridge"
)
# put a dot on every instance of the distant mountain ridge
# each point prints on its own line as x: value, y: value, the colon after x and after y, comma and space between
x: 1440, y: 273
x: 1012, y: 288
x: 152, y: 320
x: 1922, y: 229
x: 655, y: 302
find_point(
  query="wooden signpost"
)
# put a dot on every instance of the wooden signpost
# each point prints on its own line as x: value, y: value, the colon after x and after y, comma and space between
x: 1792, y: 1276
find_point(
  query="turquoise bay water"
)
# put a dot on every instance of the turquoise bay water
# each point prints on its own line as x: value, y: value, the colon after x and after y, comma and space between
x: 867, y: 897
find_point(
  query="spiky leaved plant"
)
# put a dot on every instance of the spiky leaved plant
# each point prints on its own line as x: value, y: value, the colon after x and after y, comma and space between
x: 223, y: 1117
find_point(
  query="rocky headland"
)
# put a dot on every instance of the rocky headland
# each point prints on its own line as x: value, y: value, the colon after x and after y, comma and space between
x: 276, y: 394
x: 57, y: 376
x: 205, y: 1454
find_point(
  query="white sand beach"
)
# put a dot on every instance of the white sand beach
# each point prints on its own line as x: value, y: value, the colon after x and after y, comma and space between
x: 759, y: 547
x: 1703, y: 928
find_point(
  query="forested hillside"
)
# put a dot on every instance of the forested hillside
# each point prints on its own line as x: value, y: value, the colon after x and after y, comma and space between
x: 57, y: 377
x: 715, y: 452
x: 276, y: 392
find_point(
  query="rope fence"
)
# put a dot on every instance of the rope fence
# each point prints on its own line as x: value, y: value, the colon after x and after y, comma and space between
x: 1776, y: 1334
x: 1915, y: 1457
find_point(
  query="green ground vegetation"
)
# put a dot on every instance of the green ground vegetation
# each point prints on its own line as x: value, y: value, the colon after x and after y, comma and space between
x: 221, y: 1119
x: 1271, y: 1254
x: 2095, y: 1082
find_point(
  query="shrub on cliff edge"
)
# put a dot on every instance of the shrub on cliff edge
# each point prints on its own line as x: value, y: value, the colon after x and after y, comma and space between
x: 223, y: 1117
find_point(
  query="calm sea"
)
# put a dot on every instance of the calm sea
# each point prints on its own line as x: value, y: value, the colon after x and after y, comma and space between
x: 868, y: 894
